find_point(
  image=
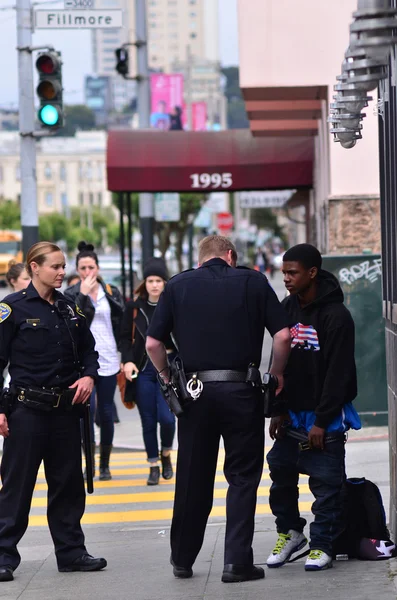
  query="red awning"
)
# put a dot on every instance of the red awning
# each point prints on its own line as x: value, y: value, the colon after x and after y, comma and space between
x: 183, y: 161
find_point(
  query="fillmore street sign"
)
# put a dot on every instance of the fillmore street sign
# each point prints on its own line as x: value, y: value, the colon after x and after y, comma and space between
x: 78, y: 19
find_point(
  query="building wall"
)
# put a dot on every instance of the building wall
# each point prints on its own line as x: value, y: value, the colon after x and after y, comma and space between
x: 275, y: 51
x: 70, y: 172
x: 354, y: 225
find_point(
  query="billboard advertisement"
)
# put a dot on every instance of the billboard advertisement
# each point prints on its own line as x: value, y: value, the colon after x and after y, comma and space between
x: 166, y: 101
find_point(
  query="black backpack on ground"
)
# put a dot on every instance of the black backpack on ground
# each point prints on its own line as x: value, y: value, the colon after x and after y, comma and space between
x: 364, y: 533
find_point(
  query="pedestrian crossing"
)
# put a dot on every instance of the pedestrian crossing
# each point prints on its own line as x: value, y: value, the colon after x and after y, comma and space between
x: 127, y: 499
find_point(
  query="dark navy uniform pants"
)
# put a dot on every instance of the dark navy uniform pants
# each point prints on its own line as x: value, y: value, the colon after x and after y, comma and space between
x: 235, y: 412
x: 54, y: 438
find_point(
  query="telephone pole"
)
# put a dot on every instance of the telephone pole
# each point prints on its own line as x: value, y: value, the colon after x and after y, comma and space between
x: 146, y: 201
x: 29, y: 212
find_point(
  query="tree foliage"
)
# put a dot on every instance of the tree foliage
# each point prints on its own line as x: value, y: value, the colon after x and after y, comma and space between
x: 10, y: 215
x: 190, y: 206
x: 265, y: 218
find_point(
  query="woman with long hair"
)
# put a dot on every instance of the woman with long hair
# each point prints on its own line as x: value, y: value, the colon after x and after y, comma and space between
x: 151, y: 405
x: 17, y: 276
x: 103, y: 306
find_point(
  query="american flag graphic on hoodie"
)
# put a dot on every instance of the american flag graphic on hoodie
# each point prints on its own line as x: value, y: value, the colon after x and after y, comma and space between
x: 304, y: 336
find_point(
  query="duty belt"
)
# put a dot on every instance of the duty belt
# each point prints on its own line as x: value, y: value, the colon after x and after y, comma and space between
x: 251, y: 375
x: 221, y: 376
x: 44, y: 399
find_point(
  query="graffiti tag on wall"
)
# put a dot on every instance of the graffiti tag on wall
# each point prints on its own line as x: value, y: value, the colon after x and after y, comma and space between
x: 367, y: 269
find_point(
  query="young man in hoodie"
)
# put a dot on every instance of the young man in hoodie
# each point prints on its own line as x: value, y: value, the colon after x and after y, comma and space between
x: 320, y: 384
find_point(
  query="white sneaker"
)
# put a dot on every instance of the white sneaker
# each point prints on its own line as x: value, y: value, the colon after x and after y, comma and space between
x: 317, y: 561
x: 286, y: 545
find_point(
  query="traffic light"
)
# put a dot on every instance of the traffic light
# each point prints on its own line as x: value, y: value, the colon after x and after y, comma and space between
x: 49, y: 89
x: 122, y: 61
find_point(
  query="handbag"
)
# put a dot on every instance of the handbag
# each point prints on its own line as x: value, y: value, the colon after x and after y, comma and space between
x: 128, y: 388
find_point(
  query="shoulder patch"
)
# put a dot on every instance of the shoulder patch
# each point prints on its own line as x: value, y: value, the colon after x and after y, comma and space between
x: 5, y: 311
x: 79, y: 311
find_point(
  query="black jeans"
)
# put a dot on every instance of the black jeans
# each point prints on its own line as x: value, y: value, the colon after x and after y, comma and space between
x: 54, y: 438
x: 326, y: 470
x: 235, y: 412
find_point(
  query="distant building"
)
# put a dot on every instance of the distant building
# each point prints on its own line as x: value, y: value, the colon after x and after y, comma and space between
x: 71, y: 172
x: 9, y: 119
x: 173, y: 26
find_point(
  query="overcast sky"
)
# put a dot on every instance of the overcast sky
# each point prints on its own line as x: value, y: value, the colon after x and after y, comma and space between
x: 76, y: 51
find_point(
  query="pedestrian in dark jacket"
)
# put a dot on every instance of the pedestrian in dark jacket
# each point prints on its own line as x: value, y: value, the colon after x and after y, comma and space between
x: 319, y: 386
x: 103, y: 307
x: 151, y: 404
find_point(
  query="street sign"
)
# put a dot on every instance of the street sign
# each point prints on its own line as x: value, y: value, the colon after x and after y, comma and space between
x: 167, y: 207
x: 218, y: 202
x: 78, y: 4
x: 271, y: 199
x: 78, y: 19
x: 224, y: 221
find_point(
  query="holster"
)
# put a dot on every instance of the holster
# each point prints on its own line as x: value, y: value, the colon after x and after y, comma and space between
x: 170, y: 394
x: 178, y: 378
x: 273, y: 405
x: 6, y: 401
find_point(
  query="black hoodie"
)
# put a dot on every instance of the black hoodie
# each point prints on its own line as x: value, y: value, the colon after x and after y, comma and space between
x: 321, y: 370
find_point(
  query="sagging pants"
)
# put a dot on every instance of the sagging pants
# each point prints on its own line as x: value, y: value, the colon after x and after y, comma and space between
x: 326, y: 470
x: 153, y: 409
x: 235, y: 412
x: 54, y: 438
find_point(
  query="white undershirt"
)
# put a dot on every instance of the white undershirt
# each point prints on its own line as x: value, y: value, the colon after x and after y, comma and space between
x: 102, y: 330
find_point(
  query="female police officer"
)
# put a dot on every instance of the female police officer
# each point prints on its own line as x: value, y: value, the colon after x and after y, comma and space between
x: 42, y: 336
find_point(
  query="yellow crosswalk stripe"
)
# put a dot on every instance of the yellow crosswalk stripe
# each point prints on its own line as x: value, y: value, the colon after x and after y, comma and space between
x: 136, y: 482
x: 128, y: 490
x: 164, y: 514
x: 155, y: 496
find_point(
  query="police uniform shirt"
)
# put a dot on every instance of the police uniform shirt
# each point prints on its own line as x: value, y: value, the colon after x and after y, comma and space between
x: 35, y: 340
x: 218, y: 315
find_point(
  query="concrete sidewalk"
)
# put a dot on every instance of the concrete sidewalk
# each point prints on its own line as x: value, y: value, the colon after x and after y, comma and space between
x: 139, y: 570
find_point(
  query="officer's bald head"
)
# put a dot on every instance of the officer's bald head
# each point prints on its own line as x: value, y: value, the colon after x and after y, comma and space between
x: 217, y: 246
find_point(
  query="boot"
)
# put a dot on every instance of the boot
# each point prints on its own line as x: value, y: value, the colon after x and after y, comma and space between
x: 104, y: 473
x: 166, y: 464
x: 93, y: 462
x: 154, y: 476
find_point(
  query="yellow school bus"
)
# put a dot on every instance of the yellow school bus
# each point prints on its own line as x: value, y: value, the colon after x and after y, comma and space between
x: 10, y: 248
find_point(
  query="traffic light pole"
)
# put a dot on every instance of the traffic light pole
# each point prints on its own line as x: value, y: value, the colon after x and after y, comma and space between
x: 29, y: 212
x: 146, y: 201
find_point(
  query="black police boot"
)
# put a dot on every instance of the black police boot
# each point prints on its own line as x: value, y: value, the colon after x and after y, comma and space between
x: 6, y: 573
x: 93, y: 462
x: 166, y: 464
x: 86, y: 562
x: 104, y: 473
x: 154, y: 476
x: 237, y: 573
x: 181, y: 572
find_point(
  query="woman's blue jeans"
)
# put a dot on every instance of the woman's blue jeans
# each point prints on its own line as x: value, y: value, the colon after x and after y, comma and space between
x: 153, y: 409
x: 102, y: 400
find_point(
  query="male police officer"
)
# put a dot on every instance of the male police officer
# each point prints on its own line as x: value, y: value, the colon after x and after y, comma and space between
x: 218, y: 315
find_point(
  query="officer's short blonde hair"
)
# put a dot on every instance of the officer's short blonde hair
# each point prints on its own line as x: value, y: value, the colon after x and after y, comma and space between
x: 215, y: 246
x: 38, y: 253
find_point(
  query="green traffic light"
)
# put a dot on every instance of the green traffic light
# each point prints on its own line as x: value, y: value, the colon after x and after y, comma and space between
x: 49, y: 115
